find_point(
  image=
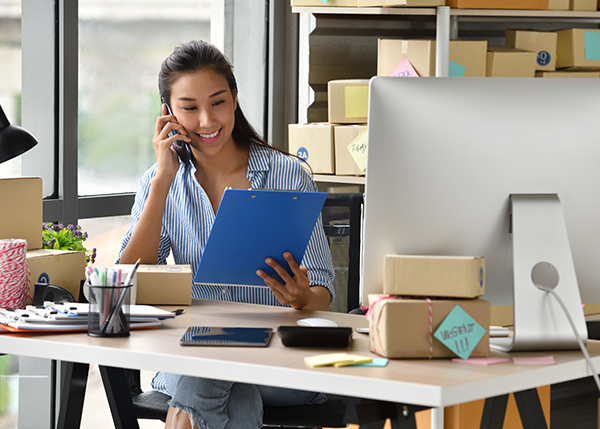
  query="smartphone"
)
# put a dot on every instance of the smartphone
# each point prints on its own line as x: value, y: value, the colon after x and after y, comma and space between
x: 181, y: 147
x: 226, y: 336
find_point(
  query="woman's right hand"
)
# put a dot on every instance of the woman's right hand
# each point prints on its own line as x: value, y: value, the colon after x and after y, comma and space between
x: 167, y: 161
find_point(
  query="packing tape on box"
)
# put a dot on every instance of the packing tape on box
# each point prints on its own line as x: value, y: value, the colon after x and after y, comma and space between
x: 373, y: 322
x: 14, y: 274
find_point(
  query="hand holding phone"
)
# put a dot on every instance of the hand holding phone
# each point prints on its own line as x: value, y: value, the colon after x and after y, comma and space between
x: 181, y: 147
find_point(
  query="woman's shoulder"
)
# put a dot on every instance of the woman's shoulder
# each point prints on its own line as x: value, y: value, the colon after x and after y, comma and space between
x: 281, y: 165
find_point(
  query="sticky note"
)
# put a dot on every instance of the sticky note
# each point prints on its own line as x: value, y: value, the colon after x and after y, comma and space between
x: 544, y: 360
x: 380, y: 362
x: 323, y: 1
x: 592, y: 45
x: 404, y: 69
x: 460, y: 332
x: 456, y: 70
x: 335, y: 359
x: 357, y: 101
x: 482, y: 361
x: 358, y: 150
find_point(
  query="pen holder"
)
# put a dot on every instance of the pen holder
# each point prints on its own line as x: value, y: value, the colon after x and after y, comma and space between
x: 109, y: 311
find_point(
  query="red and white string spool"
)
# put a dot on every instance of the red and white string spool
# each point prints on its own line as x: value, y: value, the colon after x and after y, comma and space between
x: 14, y: 274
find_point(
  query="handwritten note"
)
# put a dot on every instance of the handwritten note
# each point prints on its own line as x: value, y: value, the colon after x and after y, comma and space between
x: 404, y: 69
x: 460, y: 332
x: 592, y: 45
x: 358, y: 150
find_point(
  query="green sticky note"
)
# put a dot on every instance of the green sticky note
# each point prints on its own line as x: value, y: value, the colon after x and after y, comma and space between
x: 358, y: 150
x: 357, y: 101
x: 456, y: 70
x: 323, y: 1
x: 592, y: 45
x: 460, y: 332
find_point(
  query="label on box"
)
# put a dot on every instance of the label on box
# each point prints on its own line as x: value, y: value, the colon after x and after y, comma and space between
x: 355, y: 97
x: 592, y: 45
x: 459, y: 332
x: 358, y: 150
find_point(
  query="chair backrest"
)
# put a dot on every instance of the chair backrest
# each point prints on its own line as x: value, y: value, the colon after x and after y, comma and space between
x: 342, y: 222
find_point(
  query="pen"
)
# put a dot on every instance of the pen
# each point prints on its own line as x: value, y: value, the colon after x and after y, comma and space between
x: 117, y: 308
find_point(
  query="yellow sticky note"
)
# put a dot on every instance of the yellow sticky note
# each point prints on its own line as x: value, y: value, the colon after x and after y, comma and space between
x: 357, y: 101
x: 329, y: 359
x: 358, y: 150
x: 355, y: 360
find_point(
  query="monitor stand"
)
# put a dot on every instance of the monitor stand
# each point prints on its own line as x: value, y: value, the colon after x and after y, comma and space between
x: 542, y: 256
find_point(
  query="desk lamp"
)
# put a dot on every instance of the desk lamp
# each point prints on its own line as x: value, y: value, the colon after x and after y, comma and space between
x: 14, y: 140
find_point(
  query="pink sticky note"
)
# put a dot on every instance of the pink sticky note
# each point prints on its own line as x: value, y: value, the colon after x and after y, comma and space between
x: 544, y: 360
x: 404, y: 69
x: 482, y: 361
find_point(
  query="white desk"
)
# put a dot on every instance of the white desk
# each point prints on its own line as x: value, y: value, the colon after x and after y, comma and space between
x: 430, y: 383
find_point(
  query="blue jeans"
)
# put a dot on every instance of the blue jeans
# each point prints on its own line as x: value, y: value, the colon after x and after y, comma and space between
x: 218, y: 404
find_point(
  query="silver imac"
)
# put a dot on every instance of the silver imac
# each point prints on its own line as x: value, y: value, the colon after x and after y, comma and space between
x: 505, y: 168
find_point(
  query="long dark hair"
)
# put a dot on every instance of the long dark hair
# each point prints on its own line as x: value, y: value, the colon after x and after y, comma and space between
x: 197, y: 55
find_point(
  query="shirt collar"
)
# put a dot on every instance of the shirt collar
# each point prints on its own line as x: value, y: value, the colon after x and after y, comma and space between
x: 258, y: 159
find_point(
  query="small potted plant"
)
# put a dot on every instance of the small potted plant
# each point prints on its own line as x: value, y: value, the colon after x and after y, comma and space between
x: 71, y: 237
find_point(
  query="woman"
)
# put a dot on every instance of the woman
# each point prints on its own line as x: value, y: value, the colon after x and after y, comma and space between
x: 175, y: 209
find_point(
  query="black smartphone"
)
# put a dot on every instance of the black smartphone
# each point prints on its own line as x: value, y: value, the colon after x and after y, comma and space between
x: 181, y: 147
x: 315, y: 336
x: 226, y: 336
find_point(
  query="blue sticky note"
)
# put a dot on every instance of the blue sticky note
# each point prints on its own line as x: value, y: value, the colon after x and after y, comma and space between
x: 323, y: 1
x: 375, y: 362
x: 456, y: 70
x: 592, y: 45
x: 460, y: 332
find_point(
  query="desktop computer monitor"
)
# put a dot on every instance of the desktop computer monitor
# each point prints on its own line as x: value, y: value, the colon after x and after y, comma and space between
x: 504, y: 168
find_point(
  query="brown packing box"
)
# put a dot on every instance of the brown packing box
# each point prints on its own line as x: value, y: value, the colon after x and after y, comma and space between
x: 399, y: 328
x: 572, y: 48
x: 441, y: 276
x: 64, y: 268
x: 499, y: 4
x: 509, y: 62
x: 164, y: 285
x: 314, y: 144
x: 369, y: 3
x: 568, y: 74
x: 421, y: 54
x: 558, y: 4
x: 543, y: 43
x: 21, y: 210
x: 344, y: 162
x: 589, y: 5
x: 348, y: 101
x: 409, y: 3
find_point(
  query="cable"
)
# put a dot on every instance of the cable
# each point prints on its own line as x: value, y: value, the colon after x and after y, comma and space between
x: 579, y: 340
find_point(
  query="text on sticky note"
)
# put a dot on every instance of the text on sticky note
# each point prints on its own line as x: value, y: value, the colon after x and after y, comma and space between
x: 358, y: 150
x: 459, y: 332
x: 357, y: 101
x: 404, y: 69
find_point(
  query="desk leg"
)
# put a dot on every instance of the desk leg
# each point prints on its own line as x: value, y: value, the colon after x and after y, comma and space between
x: 437, y: 418
x: 72, y: 394
x: 119, y: 399
x: 494, y: 411
x: 530, y: 409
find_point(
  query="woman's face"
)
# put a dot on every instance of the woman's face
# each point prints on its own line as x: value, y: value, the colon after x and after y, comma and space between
x: 204, y: 105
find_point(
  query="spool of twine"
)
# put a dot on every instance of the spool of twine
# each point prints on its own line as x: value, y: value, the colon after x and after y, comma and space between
x: 14, y: 274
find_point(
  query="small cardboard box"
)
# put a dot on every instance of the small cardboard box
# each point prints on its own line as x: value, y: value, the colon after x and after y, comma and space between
x: 344, y: 162
x: 369, y: 3
x: 578, y: 49
x: 164, y: 285
x: 64, y: 268
x: 558, y: 5
x: 467, y: 58
x: 589, y: 5
x: 509, y: 62
x: 21, y: 210
x: 314, y: 144
x: 400, y: 328
x: 541, y: 42
x: 443, y: 276
x: 348, y: 101
x: 499, y: 4
x: 568, y: 74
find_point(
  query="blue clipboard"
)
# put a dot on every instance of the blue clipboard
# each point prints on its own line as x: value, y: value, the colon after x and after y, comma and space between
x: 251, y: 225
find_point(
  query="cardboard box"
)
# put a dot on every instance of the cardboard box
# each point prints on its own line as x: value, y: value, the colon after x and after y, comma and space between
x: 64, y: 268
x: 314, y: 144
x: 499, y: 4
x: 568, y: 74
x: 578, y: 49
x: 369, y: 3
x: 589, y: 5
x: 344, y: 162
x: 558, y: 5
x: 399, y: 328
x: 443, y: 276
x: 21, y: 210
x: 541, y: 42
x: 348, y: 101
x: 164, y: 285
x: 509, y: 62
x: 468, y: 58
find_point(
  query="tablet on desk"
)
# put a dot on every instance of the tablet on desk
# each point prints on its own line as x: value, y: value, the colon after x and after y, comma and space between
x: 252, y: 225
x: 226, y: 336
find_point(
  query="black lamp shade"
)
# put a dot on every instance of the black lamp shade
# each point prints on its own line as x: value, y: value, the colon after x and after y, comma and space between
x: 14, y: 140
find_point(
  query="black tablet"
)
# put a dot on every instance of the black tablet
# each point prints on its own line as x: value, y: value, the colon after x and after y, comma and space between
x: 315, y: 336
x: 226, y: 336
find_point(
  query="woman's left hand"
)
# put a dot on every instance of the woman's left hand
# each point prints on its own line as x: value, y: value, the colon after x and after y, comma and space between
x: 296, y: 290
